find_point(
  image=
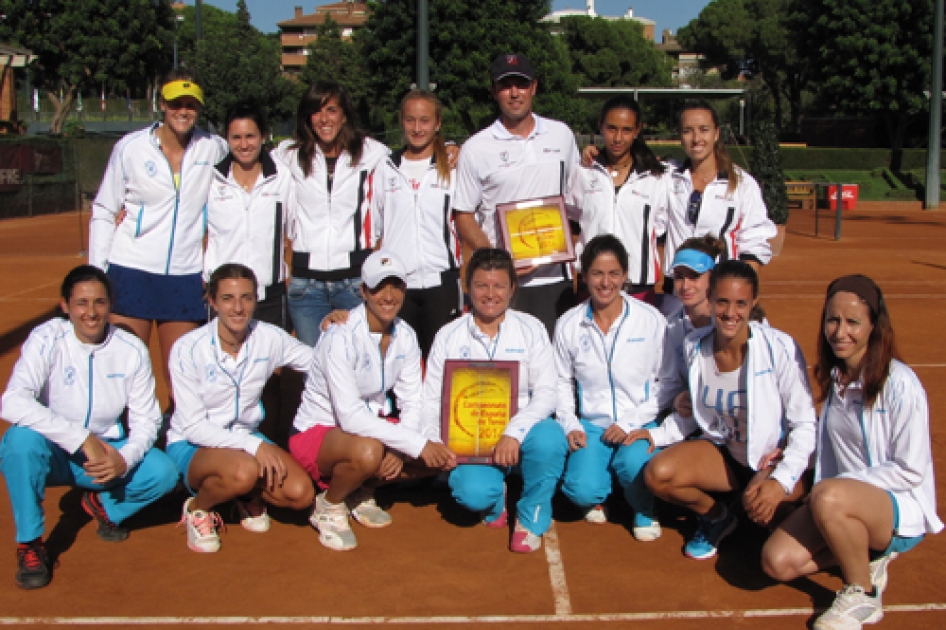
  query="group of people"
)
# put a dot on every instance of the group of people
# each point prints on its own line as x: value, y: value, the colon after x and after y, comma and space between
x: 692, y: 400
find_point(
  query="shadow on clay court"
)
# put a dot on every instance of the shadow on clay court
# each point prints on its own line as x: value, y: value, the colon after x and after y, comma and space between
x: 13, y: 339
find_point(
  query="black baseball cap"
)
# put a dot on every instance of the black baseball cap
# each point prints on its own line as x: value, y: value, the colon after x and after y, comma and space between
x: 506, y: 65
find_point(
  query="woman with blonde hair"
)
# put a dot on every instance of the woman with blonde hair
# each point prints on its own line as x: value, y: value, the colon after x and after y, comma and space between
x: 412, y: 217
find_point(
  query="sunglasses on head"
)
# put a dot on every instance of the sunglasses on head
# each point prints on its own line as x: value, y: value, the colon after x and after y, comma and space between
x: 693, y: 208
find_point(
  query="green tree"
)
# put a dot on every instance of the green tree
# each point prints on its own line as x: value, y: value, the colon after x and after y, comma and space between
x: 754, y: 36
x: 868, y: 57
x: 88, y: 44
x: 608, y: 53
x: 465, y: 36
x: 766, y: 166
x: 236, y: 62
x: 333, y: 58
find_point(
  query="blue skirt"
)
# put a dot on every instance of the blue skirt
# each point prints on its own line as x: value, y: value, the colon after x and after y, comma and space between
x: 156, y: 297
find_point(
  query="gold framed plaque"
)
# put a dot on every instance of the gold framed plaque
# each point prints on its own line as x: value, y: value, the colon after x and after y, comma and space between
x: 479, y: 398
x: 536, y: 231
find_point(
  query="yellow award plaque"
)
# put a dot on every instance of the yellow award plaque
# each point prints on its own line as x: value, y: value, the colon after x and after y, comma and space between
x: 536, y: 231
x: 479, y: 398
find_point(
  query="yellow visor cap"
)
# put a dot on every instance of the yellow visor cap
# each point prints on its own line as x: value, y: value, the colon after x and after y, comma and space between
x: 177, y: 89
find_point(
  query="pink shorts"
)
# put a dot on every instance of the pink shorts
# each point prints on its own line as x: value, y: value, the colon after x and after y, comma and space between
x: 305, y: 447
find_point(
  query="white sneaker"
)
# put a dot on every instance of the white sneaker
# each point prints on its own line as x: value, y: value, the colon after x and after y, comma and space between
x: 851, y: 608
x: 331, y: 520
x: 201, y: 528
x: 646, y: 533
x: 252, y: 514
x: 878, y: 571
x: 597, y: 515
x: 365, y: 510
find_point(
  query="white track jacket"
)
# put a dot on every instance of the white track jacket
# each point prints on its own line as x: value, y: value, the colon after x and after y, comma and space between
x: 249, y: 227
x: 521, y: 338
x: 216, y: 397
x: 348, y: 384
x: 163, y: 231
x: 739, y: 219
x: 615, y: 376
x: 65, y: 389
x: 417, y: 225
x: 896, y: 432
x: 780, y: 411
x: 331, y: 230
x: 636, y: 214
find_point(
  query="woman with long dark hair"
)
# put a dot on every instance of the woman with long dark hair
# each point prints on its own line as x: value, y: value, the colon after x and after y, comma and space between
x: 748, y: 385
x: 626, y: 192
x: 332, y: 163
x: 874, y: 495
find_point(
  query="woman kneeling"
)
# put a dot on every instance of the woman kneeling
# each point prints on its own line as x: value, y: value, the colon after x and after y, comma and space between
x: 874, y: 495
x: 346, y: 433
x: 218, y: 373
x: 750, y: 397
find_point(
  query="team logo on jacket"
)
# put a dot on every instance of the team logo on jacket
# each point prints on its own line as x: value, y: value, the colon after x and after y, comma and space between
x: 504, y: 156
x: 151, y: 168
x: 69, y: 376
x: 211, y: 371
x: 465, y: 352
x: 585, y: 343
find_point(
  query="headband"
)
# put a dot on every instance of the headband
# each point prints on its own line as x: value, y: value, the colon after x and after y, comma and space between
x: 693, y: 259
x: 179, y: 88
x: 861, y: 286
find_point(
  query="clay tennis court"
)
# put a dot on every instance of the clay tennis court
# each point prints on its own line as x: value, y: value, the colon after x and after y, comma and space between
x: 435, y: 567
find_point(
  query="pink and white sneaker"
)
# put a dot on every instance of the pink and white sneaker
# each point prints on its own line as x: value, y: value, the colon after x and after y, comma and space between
x: 524, y: 541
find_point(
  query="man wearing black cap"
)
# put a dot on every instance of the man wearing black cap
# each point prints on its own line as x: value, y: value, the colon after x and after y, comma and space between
x: 520, y: 156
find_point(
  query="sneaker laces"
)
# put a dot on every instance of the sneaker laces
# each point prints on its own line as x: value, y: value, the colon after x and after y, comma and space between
x: 335, y: 514
x: 205, y: 526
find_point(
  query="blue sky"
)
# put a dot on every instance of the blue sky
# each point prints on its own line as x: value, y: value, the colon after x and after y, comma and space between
x: 668, y: 14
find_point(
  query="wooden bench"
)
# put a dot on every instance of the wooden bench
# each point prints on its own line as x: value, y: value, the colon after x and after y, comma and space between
x: 801, y: 195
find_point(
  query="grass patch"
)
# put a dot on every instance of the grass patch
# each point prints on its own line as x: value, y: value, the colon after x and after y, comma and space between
x: 879, y: 184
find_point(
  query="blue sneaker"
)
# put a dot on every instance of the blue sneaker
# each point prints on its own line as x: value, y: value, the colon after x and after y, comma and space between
x: 709, y: 534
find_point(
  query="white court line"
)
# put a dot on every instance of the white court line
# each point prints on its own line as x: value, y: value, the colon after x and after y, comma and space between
x: 31, y: 289
x: 563, y: 603
x: 498, y: 619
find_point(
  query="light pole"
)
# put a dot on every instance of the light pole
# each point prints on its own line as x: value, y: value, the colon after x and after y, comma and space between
x: 423, y: 46
x: 936, y: 110
x: 177, y: 20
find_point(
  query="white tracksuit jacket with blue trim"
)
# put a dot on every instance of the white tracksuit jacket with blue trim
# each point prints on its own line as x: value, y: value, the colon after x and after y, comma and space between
x: 216, y: 397
x: 348, y: 384
x: 163, y: 231
x: 65, y: 389
x: 616, y: 383
x: 896, y: 432
x: 779, y: 407
x: 521, y: 338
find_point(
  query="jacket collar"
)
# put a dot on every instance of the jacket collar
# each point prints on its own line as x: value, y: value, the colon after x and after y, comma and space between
x: 269, y: 165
